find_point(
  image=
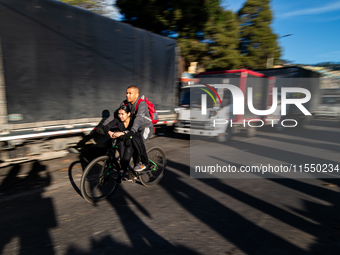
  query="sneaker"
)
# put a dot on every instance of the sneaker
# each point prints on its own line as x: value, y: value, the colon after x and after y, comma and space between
x: 130, y: 177
x: 139, y: 167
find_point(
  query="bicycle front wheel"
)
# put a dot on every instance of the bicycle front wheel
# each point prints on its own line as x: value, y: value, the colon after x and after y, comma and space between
x: 98, y: 181
x: 154, y: 174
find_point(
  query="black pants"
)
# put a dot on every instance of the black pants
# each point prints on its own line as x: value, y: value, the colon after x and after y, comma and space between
x: 125, y: 155
x: 128, y: 149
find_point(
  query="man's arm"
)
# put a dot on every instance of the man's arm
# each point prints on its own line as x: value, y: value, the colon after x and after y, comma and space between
x: 109, y: 119
x: 109, y: 125
x: 140, y: 119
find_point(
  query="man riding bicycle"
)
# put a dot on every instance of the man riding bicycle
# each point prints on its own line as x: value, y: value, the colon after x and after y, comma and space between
x: 140, y: 118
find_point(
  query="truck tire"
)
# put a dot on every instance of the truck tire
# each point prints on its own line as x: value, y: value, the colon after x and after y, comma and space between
x: 303, y: 122
x: 225, y: 137
x: 250, y: 131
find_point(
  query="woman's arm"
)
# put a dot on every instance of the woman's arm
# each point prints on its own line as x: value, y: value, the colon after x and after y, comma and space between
x: 118, y: 134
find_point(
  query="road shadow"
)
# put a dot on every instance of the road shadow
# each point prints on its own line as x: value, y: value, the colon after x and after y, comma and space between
x: 144, y: 240
x: 243, y: 233
x: 251, y: 238
x: 286, y: 156
x: 30, y: 217
x: 17, y: 180
x: 325, y: 122
x: 322, y: 135
x: 107, y: 245
x: 319, y: 145
x: 171, y: 134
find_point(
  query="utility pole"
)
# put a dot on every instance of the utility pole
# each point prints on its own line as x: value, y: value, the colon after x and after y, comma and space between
x: 270, y: 59
x: 3, y: 104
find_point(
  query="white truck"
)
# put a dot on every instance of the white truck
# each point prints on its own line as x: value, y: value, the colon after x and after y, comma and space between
x: 206, y: 105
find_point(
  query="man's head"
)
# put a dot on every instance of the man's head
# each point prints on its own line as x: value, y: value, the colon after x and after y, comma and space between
x: 132, y: 93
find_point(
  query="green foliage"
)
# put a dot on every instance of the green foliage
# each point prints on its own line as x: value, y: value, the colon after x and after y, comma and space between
x: 206, y: 33
x: 193, y: 50
x: 181, y: 19
x: 257, y: 41
x: 166, y: 17
x: 221, y: 32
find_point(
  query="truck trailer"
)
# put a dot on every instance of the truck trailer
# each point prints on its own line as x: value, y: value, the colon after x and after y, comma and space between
x: 63, y: 69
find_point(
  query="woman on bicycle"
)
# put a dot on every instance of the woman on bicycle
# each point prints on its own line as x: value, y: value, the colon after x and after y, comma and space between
x: 129, y: 142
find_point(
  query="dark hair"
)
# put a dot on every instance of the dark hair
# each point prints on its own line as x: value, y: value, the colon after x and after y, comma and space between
x: 133, y: 87
x: 125, y: 108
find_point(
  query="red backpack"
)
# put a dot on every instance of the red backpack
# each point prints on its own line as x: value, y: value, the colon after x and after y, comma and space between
x: 151, y: 107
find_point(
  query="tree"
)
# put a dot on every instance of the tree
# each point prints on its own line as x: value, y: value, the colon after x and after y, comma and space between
x: 205, y: 32
x: 179, y: 18
x: 183, y: 20
x: 192, y: 50
x: 221, y: 34
x: 258, y: 43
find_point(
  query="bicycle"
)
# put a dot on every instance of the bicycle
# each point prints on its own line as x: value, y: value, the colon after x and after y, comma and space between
x: 86, y: 154
x: 98, y: 181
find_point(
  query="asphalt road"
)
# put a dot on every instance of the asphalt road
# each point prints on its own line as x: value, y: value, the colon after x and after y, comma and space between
x: 42, y: 213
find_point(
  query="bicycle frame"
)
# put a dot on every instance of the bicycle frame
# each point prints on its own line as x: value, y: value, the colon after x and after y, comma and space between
x: 112, y: 160
x: 99, y: 180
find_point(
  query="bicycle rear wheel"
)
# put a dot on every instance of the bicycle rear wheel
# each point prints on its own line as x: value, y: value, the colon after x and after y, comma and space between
x: 98, y: 181
x: 152, y: 175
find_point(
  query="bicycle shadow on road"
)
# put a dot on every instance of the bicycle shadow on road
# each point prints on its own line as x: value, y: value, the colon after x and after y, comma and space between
x: 142, y: 237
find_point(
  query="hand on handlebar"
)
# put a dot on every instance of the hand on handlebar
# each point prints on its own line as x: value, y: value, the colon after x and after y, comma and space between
x: 118, y: 134
x: 114, y: 135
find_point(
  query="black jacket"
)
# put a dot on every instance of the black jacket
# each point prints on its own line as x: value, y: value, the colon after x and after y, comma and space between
x: 140, y: 118
x: 136, y: 142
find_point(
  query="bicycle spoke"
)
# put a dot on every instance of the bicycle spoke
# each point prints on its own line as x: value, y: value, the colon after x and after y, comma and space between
x: 155, y: 172
x: 96, y: 183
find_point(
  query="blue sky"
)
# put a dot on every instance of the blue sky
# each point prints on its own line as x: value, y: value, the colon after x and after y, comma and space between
x: 315, y: 26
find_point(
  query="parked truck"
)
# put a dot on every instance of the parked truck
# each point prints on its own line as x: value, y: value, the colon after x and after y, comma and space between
x: 219, y: 120
x: 63, y: 69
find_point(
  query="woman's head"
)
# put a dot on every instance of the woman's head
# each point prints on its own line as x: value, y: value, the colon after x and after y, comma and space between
x: 124, y: 112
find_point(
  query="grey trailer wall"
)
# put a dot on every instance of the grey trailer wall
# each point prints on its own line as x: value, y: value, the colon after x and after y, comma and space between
x: 62, y: 62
